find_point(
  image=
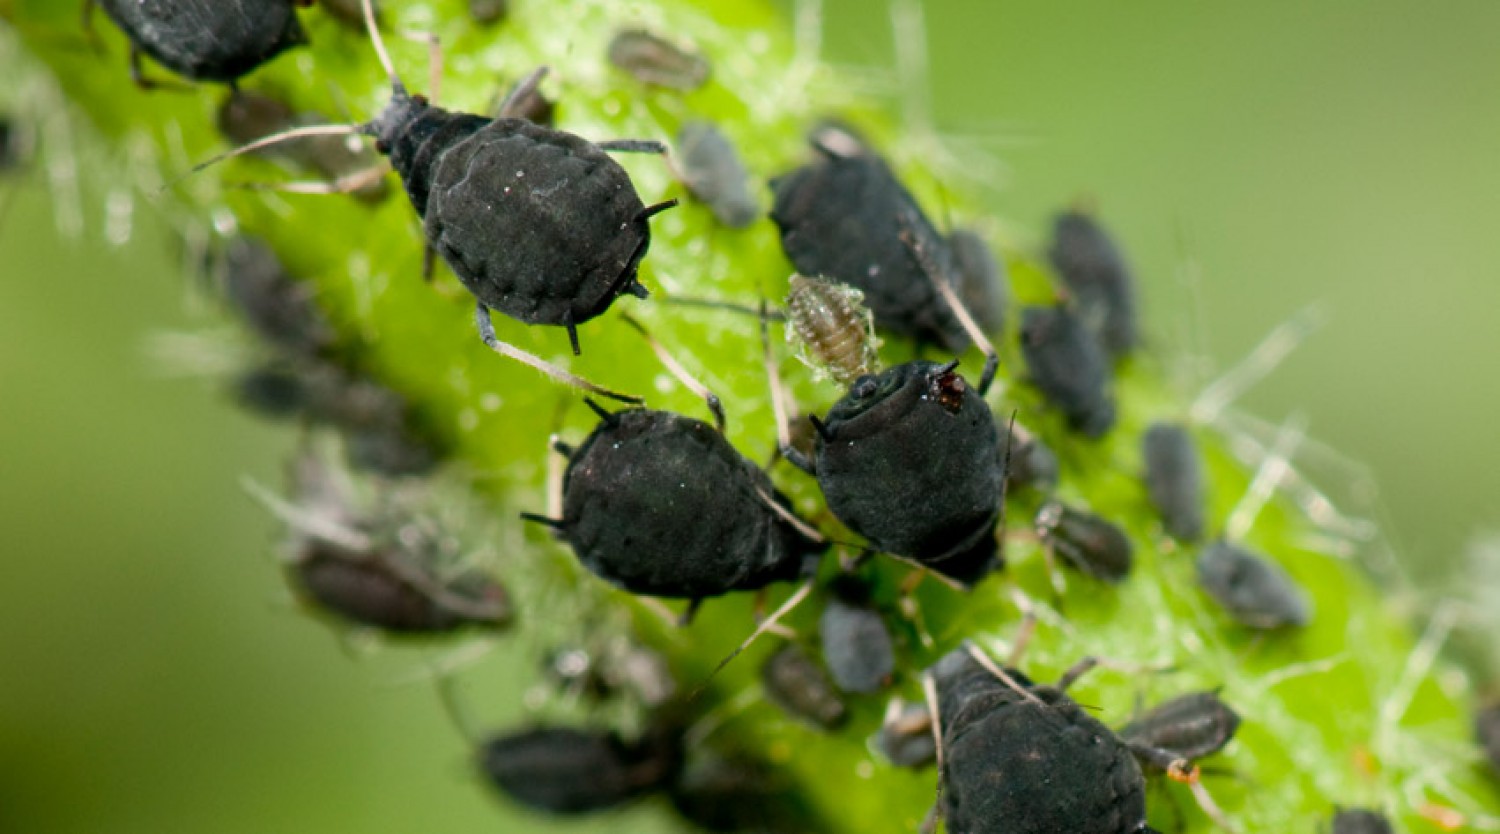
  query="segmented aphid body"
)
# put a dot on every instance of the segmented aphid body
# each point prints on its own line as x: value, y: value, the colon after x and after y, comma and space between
x: 833, y: 331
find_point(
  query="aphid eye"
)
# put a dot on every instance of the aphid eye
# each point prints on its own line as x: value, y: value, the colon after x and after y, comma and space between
x: 865, y: 387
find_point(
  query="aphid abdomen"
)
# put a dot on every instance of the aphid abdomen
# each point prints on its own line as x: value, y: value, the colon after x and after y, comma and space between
x: 539, y: 224
x: 833, y: 327
x: 360, y: 590
x: 1174, y: 479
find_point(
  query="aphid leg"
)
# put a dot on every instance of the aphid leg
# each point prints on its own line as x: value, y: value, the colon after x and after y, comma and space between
x: 555, y: 472
x: 1000, y: 674
x: 929, y: 692
x: 810, y: 532
x: 487, y: 333
x: 1055, y: 575
x: 522, y: 91
x: 792, y: 602
x: 1024, y: 632
x: 146, y: 82
x: 633, y: 146
x: 429, y: 262
x: 90, y: 33
x: 677, y: 370
x: 906, y: 602
x: 1084, y: 665
x: 944, y: 287
x: 691, y: 611
x: 778, y: 402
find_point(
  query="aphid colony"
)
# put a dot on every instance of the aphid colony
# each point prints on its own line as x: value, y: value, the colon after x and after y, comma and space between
x: 545, y: 227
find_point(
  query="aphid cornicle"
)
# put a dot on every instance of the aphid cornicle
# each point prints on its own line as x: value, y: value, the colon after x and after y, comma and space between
x: 1253, y: 590
x: 1088, y: 542
x: 1065, y: 361
x: 1361, y: 821
x: 846, y: 217
x: 564, y: 770
x: 797, y: 684
x: 1174, y: 479
x: 1093, y: 269
x: 856, y: 644
x: 216, y: 41
x: 662, y: 505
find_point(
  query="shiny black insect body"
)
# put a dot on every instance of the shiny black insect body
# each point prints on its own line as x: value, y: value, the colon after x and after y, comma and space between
x: 711, y: 169
x: 1174, y: 479
x: 911, y: 460
x: 564, y: 770
x: 1023, y: 758
x: 1065, y: 361
x: 279, y: 308
x: 245, y: 116
x: 1487, y: 733
x: 846, y: 217
x: 1190, y: 726
x: 1088, y: 542
x: 1255, y: 591
x: 980, y: 280
x: 653, y: 60
x: 221, y: 40
x: 1361, y: 821
x: 662, y: 505
x: 856, y: 644
x: 796, y: 683
x: 1094, y: 271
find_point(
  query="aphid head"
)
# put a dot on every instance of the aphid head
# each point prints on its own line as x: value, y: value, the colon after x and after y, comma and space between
x: 402, y: 110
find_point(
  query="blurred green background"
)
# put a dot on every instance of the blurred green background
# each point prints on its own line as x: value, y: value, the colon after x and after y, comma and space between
x: 1337, y: 152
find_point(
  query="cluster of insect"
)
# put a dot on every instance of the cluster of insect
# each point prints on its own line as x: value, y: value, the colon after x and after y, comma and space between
x: 545, y: 227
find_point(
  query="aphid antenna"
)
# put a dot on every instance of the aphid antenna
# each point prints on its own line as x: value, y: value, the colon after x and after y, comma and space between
x: 929, y: 692
x: 715, y: 406
x: 265, y: 142
x: 1185, y: 772
x: 791, y: 518
x: 729, y: 306
x: 509, y: 351
x: 778, y: 399
x: 1000, y: 674
x: 368, y: 8
x: 944, y: 288
x: 304, y: 521
x: 797, y: 597
x: 1264, y: 358
x: 1267, y: 478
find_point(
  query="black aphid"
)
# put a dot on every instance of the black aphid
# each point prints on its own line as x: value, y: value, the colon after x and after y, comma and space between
x: 278, y: 307
x: 245, y: 117
x: 911, y: 460
x: 905, y: 736
x: 564, y: 770
x: 732, y: 793
x: 1018, y: 757
x: 832, y: 329
x: 980, y: 280
x: 662, y: 505
x: 711, y: 169
x: 488, y: 12
x: 1023, y: 758
x: 796, y: 683
x: 539, y: 224
x: 382, y: 434
x: 1093, y: 269
x: 856, y: 644
x: 1191, y: 726
x: 1088, y: 542
x: 654, y: 60
x: 383, y: 571
x: 847, y: 218
x: 1174, y: 479
x: 1361, y: 821
x: 218, y: 41
x: 1487, y: 733
x: 1255, y: 591
x: 1065, y: 361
